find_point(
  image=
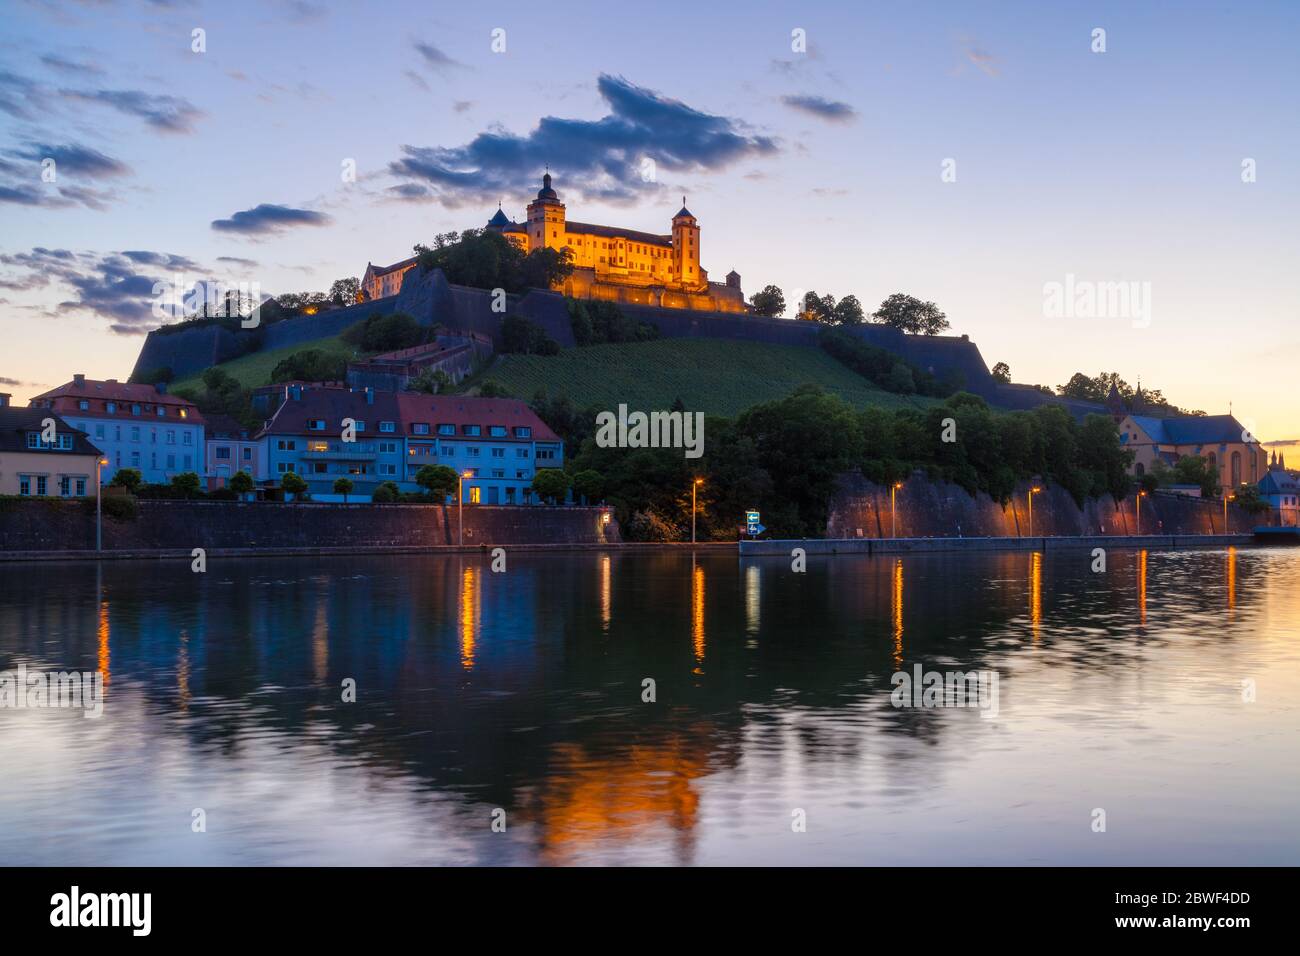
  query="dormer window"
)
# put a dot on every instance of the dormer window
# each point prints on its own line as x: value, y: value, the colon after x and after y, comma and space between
x: 316, y: 424
x: 111, y: 407
x: 135, y: 409
x: 497, y: 431
x: 523, y: 431
x: 471, y: 429
x: 161, y: 411
x: 83, y: 405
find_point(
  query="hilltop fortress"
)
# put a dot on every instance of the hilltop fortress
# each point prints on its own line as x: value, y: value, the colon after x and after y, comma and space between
x: 609, y: 262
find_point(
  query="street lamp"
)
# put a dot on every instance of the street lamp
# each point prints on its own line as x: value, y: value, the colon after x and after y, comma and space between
x: 1032, y: 490
x: 1226, y: 499
x: 1141, y: 495
x: 694, y: 484
x: 460, y: 505
x: 99, y: 508
x: 893, y: 514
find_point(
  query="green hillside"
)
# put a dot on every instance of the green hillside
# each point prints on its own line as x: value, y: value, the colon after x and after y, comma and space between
x: 255, y: 369
x: 715, y: 376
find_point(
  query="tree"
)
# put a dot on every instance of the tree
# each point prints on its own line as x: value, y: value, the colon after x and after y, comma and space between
x: 293, y: 484
x: 485, y: 259
x: 344, y: 291
x: 438, y: 480
x: 385, y: 333
x: 825, y: 309
x: 386, y: 493
x: 769, y: 302
x: 187, y: 483
x: 589, y: 484
x: 525, y: 337
x: 1002, y: 373
x: 309, y: 365
x: 1195, y: 470
x: 909, y: 314
x: 551, y: 485
x: 491, y: 388
x: 241, y: 482
x: 128, y: 478
x: 343, y: 486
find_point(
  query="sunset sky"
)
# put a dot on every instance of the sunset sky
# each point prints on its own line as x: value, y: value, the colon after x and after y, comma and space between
x: 812, y: 170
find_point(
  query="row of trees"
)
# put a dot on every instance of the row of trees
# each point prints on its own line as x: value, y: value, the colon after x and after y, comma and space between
x: 1096, y: 388
x: 485, y: 259
x: 785, y: 458
x: 900, y: 311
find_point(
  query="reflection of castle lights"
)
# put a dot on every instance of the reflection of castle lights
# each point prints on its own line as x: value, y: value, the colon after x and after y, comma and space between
x: 697, y: 615
x: 103, y: 640
x: 1036, y: 593
x: 183, y: 671
x: 469, y: 616
x: 896, y: 612
x: 753, y: 600
x: 1142, y: 586
x: 1232, y: 578
x: 605, y: 601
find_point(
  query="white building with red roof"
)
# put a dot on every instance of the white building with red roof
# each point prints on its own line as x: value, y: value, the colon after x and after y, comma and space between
x: 135, y: 426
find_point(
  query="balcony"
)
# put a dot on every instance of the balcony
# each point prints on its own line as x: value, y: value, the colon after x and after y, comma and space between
x: 340, y: 451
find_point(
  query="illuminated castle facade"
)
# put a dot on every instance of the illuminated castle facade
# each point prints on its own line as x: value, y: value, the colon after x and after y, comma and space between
x: 609, y: 262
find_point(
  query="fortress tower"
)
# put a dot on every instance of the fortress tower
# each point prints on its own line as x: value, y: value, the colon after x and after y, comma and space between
x: 686, y: 249
x: 546, y: 226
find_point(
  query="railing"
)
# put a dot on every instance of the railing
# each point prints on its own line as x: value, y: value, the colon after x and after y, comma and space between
x: 349, y: 451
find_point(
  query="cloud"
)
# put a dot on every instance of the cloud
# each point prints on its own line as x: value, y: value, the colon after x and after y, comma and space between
x: 81, y: 160
x: 831, y: 110
x: 115, y: 286
x: 986, y: 61
x: 56, y: 197
x: 599, y: 159
x: 236, y: 261
x: 167, y: 114
x: 268, y: 218
x: 460, y: 106
x: 62, y: 65
x: 17, y: 95
x: 435, y: 59
x: 419, y: 82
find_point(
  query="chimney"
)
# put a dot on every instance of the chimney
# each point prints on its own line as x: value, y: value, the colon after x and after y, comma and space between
x: 4, y: 399
x: 370, y: 395
x: 79, y: 380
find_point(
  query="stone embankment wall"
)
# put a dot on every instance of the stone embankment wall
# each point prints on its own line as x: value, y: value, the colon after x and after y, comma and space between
x: 43, y: 525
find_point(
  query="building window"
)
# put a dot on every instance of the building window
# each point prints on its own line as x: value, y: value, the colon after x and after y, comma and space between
x: 83, y: 405
x: 223, y: 453
x: 498, y: 453
x: 522, y: 431
x: 81, y: 487
x: 188, y: 438
x: 387, y: 469
x: 111, y: 407
x: 361, y: 426
x: 497, y: 431
x: 40, y: 485
x: 99, y: 431
x: 135, y: 409
x: 446, y: 429
x: 388, y: 427
x: 24, y: 484
x: 286, y: 445
x: 162, y: 412
x: 65, y: 485
x: 248, y: 454
x: 171, y: 436
x: 387, y: 447
x: 135, y: 433
x: 472, y: 451
x: 521, y: 452
x: 316, y: 424
x: 420, y: 428
x: 475, y: 496
x: 472, y: 430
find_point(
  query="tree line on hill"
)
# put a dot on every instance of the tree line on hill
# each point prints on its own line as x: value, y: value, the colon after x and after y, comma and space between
x: 899, y: 311
x: 785, y: 457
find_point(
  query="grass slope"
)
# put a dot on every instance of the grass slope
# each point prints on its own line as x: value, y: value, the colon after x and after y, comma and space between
x: 255, y: 369
x: 715, y: 376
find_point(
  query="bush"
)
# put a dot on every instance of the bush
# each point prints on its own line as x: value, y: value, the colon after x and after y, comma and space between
x: 551, y: 484
x: 241, y: 483
x: 309, y: 365
x: 186, y: 484
x: 119, y: 507
x: 385, y: 493
x: 386, y: 333
x: 128, y: 478
x: 438, y: 481
x: 649, y: 525
x: 522, y: 336
x: 491, y: 388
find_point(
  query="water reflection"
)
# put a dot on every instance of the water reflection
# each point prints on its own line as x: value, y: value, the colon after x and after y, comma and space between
x: 481, y: 691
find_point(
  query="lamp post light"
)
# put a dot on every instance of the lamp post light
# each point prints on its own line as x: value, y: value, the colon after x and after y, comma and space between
x: 1226, y: 499
x: 893, y: 513
x: 99, y: 507
x: 1032, y: 491
x: 460, y: 505
x: 694, y: 485
x: 1141, y: 495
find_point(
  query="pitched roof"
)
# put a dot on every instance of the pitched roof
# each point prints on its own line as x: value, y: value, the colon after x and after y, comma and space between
x: 331, y: 405
x: 1192, y: 429
x: 123, y: 393
x: 614, y: 232
x: 1278, y: 483
x: 461, y: 410
x: 384, y: 270
x: 15, y: 423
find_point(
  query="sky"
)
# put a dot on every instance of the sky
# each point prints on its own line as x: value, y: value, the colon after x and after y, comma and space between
x: 984, y: 156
